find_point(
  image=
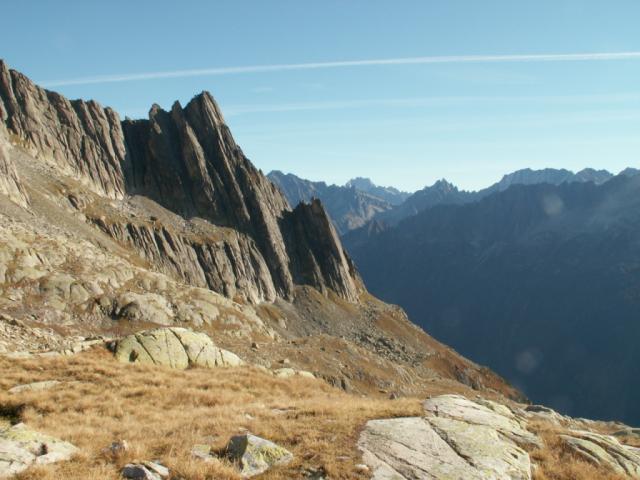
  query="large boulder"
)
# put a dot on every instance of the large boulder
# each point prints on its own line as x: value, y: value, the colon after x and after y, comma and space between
x: 256, y: 455
x: 174, y: 347
x: 21, y: 448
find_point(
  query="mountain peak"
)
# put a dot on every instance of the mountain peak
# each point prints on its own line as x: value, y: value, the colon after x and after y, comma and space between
x: 361, y: 183
x: 444, y: 184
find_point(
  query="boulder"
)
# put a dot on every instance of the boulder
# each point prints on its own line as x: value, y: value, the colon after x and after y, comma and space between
x: 256, y: 455
x: 21, y: 448
x: 174, y: 347
x: 145, y: 307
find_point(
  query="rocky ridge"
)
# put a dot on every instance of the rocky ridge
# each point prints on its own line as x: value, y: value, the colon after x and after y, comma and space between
x: 187, y: 161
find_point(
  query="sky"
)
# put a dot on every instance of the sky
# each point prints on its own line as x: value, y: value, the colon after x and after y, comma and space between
x: 402, y: 91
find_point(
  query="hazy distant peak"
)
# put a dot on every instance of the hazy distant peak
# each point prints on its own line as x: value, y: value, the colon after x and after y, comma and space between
x: 444, y: 185
x: 553, y: 176
x: 361, y: 183
x: 630, y: 172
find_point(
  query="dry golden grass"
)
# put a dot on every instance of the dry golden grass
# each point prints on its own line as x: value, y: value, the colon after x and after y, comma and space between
x: 162, y: 413
x: 556, y: 462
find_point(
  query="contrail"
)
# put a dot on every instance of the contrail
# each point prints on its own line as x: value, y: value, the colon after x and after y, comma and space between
x: 130, y: 77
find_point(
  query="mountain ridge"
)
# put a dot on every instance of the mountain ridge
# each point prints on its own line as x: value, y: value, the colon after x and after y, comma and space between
x: 187, y: 161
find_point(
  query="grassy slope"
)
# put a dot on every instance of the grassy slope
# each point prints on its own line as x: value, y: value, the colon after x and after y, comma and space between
x: 163, y: 413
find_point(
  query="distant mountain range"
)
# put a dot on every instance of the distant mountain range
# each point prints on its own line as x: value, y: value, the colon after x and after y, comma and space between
x: 360, y: 201
x: 349, y: 206
x: 539, y: 279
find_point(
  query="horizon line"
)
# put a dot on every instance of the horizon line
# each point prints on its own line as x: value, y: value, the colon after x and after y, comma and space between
x: 238, y: 70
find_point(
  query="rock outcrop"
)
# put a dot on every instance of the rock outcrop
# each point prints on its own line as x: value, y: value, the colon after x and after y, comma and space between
x: 174, y: 347
x: 457, y: 438
x: 463, y: 439
x: 21, y: 448
x: 187, y: 161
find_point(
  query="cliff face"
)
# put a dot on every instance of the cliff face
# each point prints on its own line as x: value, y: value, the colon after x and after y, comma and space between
x: 10, y: 184
x: 187, y: 161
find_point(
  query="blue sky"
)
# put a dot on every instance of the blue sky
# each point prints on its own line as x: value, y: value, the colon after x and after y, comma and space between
x: 400, y: 123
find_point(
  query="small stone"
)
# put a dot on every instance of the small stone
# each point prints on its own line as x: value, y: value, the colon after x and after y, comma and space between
x: 203, y: 452
x: 116, y: 448
x: 145, y: 471
x: 254, y: 346
x: 256, y: 455
x: 361, y: 467
x: 157, y: 468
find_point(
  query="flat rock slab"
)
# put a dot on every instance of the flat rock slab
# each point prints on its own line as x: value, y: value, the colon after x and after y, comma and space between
x: 21, y: 448
x: 457, y: 439
x: 415, y: 448
x: 409, y: 448
x: 35, y: 386
x: 174, y: 347
x: 483, y: 412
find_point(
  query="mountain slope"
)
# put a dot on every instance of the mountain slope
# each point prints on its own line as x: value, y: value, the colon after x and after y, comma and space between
x: 540, y: 282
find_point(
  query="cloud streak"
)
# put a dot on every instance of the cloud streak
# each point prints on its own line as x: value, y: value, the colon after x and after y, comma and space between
x: 249, y: 69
